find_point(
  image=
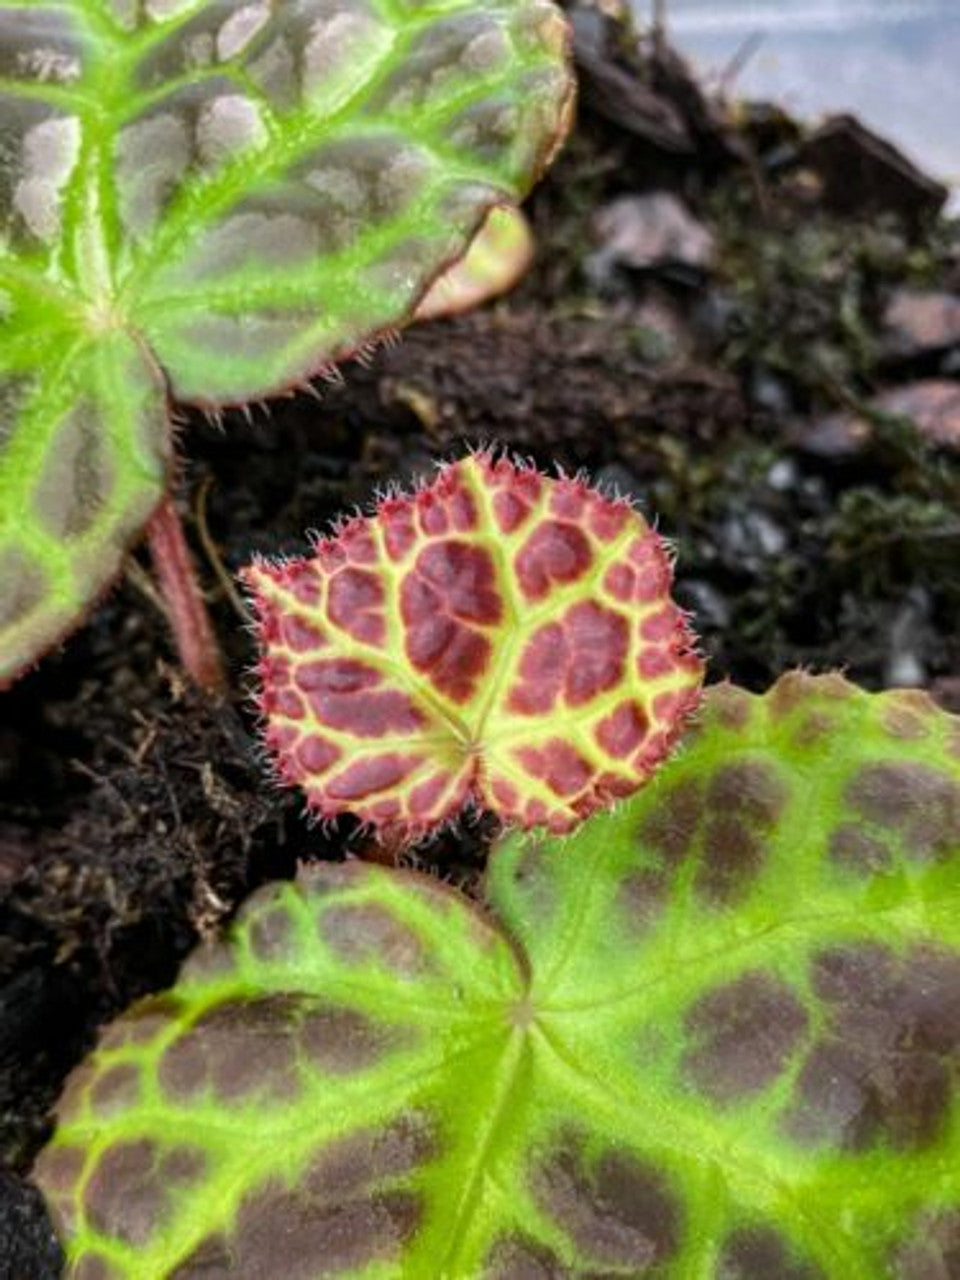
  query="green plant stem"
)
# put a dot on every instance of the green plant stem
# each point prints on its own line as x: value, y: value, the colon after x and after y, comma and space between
x: 186, y: 610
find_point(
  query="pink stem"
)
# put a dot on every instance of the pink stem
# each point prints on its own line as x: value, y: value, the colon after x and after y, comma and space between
x: 192, y: 630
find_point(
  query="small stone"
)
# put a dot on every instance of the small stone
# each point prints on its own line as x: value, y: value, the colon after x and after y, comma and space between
x: 921, y: 322
x: 905, y: 668
x: 836, y: 436
x: 933, y: 404
x: 752, y: 535
x: 705, y: 602
x: 652, y: 231
x: 782, y: 476
x: 715, y: 311
x: 769, y: 392
x: 905, y: 671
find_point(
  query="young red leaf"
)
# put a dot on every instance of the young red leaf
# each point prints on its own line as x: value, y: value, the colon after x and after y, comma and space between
x: 499, y: 638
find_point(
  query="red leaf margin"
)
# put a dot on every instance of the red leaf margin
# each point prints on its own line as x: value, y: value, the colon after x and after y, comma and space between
x: 375, y: 651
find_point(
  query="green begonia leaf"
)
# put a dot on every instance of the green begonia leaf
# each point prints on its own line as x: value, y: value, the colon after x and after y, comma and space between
x: 221, y: 198
x: 713, y: 1034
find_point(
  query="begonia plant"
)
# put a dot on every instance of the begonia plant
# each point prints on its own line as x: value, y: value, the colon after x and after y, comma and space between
x: 713, y: 1034
x: 210, y: 202
x: 500, y: 638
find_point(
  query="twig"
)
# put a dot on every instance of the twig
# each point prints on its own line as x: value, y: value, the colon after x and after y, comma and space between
x: 213, y: 555
x: 731, y: 72
x: 138, y: 577
x: 659, y: 27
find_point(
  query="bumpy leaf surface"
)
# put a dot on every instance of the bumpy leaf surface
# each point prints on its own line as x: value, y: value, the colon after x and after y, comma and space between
x: 713, y: 1034
x: 499, y: 637
x: 219, y: 198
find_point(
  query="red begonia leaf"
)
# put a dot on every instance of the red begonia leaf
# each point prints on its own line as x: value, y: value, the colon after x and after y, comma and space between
x: 499, y: 638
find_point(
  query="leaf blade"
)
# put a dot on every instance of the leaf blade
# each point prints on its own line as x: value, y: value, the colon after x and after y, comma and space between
x: 155, y: 184
x: 506, y: 1125
x: 500, y: 638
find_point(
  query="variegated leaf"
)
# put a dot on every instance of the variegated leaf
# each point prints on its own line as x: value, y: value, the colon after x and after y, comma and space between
x: 714, y: 1034
x: 220, y: 198
x: 499, y: 638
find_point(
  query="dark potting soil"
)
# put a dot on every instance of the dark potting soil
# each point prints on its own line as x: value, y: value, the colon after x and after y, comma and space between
x: 134, y: 817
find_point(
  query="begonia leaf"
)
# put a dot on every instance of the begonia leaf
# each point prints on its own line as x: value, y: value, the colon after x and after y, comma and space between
x: 498, y: 258
x: 713, y: 1034
x: 219, y: 199
x: 500, y: 638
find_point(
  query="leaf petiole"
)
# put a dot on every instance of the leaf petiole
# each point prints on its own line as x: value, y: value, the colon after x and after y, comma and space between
x: 187, y: 613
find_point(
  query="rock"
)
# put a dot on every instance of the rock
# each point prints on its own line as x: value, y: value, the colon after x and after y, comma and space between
x: 783, y: 476
x: 933, y: 404
x: 650, y: 231
x: 709, y: 608
x: 647, y: 89
x: 905, y: 671
x: 611, y: 87
x: 905, y: 667
x: 769, y: 392
x: 920, y: 322
x: 752, y: 537
x: 862, y: 173
x: 836, y: 436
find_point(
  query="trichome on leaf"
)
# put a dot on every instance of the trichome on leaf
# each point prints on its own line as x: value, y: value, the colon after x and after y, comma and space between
x: 499, y: 638
x: 714, y: 1033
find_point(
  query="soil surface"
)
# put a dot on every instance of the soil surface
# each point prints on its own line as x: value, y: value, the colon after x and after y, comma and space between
x: 721, y: 387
